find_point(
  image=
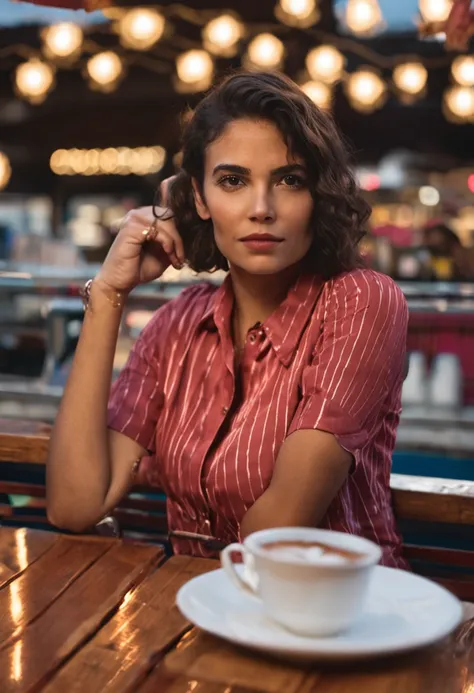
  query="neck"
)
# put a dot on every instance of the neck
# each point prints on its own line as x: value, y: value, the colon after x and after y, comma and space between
x: 257, y: 296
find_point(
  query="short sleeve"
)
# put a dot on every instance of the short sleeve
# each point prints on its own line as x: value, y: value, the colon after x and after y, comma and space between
x: 358, y: 360
x: 136, y: 397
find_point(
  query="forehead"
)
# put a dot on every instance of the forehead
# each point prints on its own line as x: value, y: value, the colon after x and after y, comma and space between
x: 254, y: 144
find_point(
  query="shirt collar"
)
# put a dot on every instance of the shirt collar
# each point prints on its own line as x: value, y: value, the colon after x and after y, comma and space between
x: 284, y: 327
x: 219, y: 309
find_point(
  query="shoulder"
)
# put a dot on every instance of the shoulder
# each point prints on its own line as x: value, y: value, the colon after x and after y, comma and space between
x: 366, y: 282
x: 366, y: 290
x: 182, y: 313
x: 368, y: 285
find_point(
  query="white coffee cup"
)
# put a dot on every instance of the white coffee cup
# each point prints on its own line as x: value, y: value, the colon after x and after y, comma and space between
x: 308, y: 596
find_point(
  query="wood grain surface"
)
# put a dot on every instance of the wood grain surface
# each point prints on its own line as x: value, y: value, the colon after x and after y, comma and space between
x: 24, y: 441
x: 88, y: 615
x: 60, y: 600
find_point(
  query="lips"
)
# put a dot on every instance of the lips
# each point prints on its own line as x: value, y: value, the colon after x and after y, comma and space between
x: 261, y: 237
x: 260, y: 243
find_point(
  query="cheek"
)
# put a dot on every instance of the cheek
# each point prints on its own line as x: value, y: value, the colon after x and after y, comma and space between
x: 224, y: 214
x: 302, y: 216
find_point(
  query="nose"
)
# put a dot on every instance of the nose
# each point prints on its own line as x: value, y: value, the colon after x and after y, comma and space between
x: 262, y: 209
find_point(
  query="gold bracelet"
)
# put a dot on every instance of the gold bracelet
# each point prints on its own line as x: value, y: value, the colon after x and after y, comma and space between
x: 116, y: 302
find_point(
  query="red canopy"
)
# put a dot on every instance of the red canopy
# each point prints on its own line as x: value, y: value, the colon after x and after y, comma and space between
x: 88, y: 5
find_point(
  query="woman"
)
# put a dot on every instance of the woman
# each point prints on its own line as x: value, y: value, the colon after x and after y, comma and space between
x: 273, y: 399
x: 447, y: 253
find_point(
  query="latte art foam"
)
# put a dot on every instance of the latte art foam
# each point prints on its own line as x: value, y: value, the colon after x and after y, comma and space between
x: 310, y: 552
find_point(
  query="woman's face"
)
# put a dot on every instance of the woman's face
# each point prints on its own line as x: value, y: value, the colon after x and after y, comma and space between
x: 257, y: 197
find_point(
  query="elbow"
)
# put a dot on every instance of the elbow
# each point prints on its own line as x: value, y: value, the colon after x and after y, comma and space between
x: 64, y: 519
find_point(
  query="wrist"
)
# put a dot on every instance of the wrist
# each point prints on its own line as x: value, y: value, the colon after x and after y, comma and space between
x: 97, y: 290
x: 109, y: 290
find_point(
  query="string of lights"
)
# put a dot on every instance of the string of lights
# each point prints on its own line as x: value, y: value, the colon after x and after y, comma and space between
x: 148, y: 37
x: 140, y: 32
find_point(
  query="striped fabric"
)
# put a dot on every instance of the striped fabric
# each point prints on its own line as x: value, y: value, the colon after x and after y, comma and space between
x: 330, y: 357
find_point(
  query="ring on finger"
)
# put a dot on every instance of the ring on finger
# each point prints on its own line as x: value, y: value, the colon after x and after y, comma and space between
x: 151, y: 231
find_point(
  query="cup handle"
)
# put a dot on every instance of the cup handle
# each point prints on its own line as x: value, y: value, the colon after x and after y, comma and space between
x: 229, y: 567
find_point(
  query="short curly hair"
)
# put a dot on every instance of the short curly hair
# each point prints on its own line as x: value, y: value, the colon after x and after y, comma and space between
x: 339, y: 213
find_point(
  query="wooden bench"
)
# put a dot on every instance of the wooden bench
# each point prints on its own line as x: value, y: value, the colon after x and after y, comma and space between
x: 23, y: 451
x: 436, y: 516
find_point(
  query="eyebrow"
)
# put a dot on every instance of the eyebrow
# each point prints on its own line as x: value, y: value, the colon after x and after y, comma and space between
x: 280, y: 171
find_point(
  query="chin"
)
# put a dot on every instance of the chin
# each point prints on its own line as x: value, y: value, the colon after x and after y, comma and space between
x: 264, y: 266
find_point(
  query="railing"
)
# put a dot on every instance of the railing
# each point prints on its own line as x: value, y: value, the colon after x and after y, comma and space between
x: 435, y: 515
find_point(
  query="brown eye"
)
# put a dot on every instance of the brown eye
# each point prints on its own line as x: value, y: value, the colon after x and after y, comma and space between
x: 230, y: 182
x: 293, y: 181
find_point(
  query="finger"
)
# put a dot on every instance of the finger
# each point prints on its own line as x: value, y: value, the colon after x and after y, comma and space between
x: 168, y: 226
x: 168, y: 244
x: 178, y: 242
x: 164, y: 190
x: 116, y: 225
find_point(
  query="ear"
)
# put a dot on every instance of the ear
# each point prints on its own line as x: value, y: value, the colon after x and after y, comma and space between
x: 201, y: 206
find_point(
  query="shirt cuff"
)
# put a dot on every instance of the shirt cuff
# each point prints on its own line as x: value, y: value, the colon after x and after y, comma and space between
x: 318, y: 414
x: 126, y: 423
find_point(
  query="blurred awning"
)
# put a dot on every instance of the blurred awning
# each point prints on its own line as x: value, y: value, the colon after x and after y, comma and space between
x: 88, y: 5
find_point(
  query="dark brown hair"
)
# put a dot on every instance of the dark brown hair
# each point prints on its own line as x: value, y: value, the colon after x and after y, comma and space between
x: 339, y: 213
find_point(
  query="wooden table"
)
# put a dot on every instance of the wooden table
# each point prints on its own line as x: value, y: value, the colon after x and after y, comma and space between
x: 93, y: 615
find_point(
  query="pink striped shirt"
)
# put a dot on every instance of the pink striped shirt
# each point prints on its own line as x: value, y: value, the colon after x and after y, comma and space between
x: 330, y: 357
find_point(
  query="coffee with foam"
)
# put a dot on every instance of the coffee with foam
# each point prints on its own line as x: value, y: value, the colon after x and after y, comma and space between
x: 310, y: 552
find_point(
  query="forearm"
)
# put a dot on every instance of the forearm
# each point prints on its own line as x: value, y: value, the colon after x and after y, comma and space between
x: 269, y: 511
x: 273, y: 509
x: 310, y: 469
x: 79, y: 469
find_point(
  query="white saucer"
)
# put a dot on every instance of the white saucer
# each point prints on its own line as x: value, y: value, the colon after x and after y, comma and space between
x: 404, y: 612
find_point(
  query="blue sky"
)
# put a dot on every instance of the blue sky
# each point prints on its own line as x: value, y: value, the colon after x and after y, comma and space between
x: 12, y: 14
x: 398, y: 14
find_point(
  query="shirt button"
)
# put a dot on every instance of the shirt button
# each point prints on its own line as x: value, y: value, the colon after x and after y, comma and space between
x: 225, y: 410
x: 252, y: 339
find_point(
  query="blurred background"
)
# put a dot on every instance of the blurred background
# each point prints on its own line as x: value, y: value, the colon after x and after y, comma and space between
x: 91, y: 105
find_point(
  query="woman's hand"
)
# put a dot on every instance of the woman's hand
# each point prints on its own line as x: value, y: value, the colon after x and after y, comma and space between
x: 143, y: 249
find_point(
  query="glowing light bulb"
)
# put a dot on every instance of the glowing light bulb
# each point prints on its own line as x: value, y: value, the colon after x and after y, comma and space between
x: 194, y: 66
x: 221, y: 35
x: 5, y: 170
x: 410, y: 77
x: 63, y: 40
x: 325, y: 64
x: 141, y: 28
x: 458, y: 104
x: 34, y: 79
x: 364, y: 17
x: 105, y: 70
x: 319, y: 93
x: 428, y: 196
x: 265, y: 50
x: 435, y: 10
x: 462, y: 70
x: 366, y: 90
